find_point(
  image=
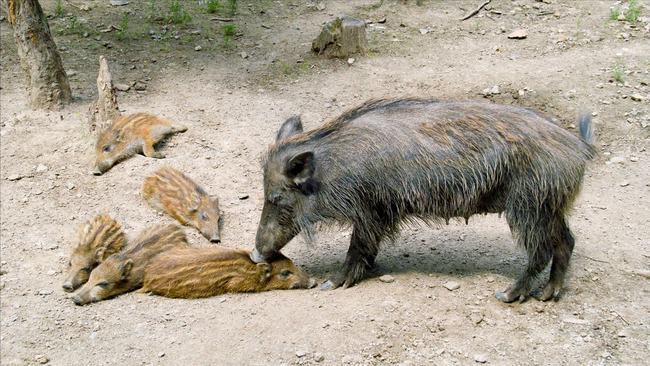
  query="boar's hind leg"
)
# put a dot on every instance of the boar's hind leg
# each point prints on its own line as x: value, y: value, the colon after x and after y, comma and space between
x: 537, y: 236
x: 562, y: 249
x: 149, y: 151
x: 361, y: 257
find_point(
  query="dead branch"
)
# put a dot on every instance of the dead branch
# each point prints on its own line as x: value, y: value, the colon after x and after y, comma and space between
x: 475, y: 11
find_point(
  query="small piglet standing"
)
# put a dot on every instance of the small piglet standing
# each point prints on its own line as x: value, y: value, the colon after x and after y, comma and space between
x: 99, y: 238
x: 129, y: 135
x: 176, y: 194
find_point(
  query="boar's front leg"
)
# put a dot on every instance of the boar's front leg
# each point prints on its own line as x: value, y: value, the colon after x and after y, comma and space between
x: 361, y: 257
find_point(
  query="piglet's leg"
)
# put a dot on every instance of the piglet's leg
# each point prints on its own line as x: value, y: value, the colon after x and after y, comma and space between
x: 149, y: 151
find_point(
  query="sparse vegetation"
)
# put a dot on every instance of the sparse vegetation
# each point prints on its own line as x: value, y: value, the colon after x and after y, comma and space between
x: 123, y: 31
x: 178, y: 14
x: 618, y: 74
x: 229, y: 31
x: 58, y: 9
x: 232, y: 7
x: 213, y: 6
x: 633, y: 12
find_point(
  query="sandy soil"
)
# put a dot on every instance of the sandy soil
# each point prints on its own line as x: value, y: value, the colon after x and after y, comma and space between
x: 233, y: 107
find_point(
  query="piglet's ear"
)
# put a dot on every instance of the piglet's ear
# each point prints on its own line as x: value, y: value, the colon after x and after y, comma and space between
x: 289, y: 128
x: 125, y: 269
x: 264, y: 271
x: 99, y: 254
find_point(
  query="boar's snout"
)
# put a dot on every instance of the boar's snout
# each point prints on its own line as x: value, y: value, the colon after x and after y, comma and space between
x: 215, y: 239
x: 96, y: 171
x: 256, y: 257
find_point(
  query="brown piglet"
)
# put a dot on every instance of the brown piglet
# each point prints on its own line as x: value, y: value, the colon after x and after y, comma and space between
x: 176, y: 194
x: 204, y: 272
x: 130, y: 135
x: 99, y: 238
x: 123, y: 272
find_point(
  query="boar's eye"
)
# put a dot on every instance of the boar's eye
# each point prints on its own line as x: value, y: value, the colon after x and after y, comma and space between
x: 107, y: 148
x: 285, y: 274
x: 103, y: 284
x: 203, y: 216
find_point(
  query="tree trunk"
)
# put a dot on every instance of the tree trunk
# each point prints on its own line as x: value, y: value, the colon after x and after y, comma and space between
x: 341, y: 37
x: 105, y: 109
x: 47, y: 81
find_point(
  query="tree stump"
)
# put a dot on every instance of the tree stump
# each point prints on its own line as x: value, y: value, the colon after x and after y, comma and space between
x: 105, y: 109
x: 341, y: 37
x: 47, y: 82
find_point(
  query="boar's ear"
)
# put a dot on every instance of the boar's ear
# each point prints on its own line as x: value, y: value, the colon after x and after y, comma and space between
x: 290, y: 127
x: 300, y: 169
x: 125, y: 269
x: 264, y: 271
x: 99, y: 254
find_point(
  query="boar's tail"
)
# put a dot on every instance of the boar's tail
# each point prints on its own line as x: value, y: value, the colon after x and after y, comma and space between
x: 586, y: 128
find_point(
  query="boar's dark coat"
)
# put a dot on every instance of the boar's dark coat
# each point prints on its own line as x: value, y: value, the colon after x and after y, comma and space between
x: 388, y: 162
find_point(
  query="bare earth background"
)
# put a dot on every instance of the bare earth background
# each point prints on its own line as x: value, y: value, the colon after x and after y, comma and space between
x: 233, y: 103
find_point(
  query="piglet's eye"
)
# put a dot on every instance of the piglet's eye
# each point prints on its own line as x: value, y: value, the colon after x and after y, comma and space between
x: 203, y: 216
x: 285, y: 273
x: 107, y: 148
x: 103, y: 284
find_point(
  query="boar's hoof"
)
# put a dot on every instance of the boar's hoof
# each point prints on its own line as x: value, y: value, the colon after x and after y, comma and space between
x: 549, y: 292
x: 256, y: 257
x: 67, y: 287
x: 328, y: 285
x: 509, y: 296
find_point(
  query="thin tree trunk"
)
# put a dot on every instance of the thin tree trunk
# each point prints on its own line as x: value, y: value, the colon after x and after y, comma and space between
x: 47, y: 81
x: 105, y: 109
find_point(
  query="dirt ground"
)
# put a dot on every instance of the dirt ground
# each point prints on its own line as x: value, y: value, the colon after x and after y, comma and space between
x: 234, y: 92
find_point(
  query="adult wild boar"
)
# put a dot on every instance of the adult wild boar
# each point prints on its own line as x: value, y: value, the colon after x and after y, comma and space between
x: 388, y: 162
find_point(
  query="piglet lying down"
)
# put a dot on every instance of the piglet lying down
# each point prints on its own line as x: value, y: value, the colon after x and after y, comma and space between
x: 204, y: 272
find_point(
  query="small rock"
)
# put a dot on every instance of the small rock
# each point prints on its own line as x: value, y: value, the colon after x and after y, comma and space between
x: 41, y: 168
x: 623, y: 333
x: 481, y: 358
x: 617, y: 159
x: 624, y: 184
x: 44, y: 292
x: 42, y: 359
x: 318, y: 357
x: 119, y: 2
x: 301, y: 353
x: 243, y: 54
x: 637, y: 97
x: 70, y: 185
x: 242, y: 196
x: 621, y: 17
x: 494, y: 90
x: 161, y: 354
x: 476, y: 317
x: 351, y: 61
x: 14, y: 177
x: 198, y: 48
x: 518, y: 34
x: 451, y: 285
x: 140, y: 86
x: 634, y: 159
x: 50, y: 272
x: 122, y: 87
x: 71, y: 73
x: 387, y: 278
x: 424, y: 30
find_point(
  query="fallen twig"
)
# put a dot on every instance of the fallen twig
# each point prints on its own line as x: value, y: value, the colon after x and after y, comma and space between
x: 620, y: 316
x: 475, y: 11
x: 593, y: 259
x: 222, y: 19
